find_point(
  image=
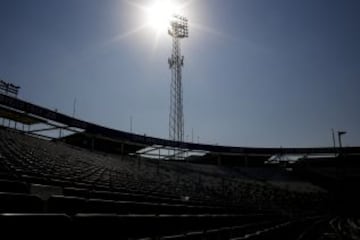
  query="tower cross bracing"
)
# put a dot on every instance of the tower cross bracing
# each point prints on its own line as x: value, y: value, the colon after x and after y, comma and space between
x: 178, y: 30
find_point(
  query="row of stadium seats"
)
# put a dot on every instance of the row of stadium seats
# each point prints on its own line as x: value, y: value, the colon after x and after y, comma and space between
x: 106, y: 200
x: 53, y: 163
x: 17, y: 202
x: 138, y: 226
x: 23, y: 202
x: 149, y: 227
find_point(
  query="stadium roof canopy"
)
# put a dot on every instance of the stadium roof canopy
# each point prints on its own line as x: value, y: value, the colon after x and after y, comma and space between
x: 28, y: 113
x: 101, y: 143
x: 17, y: 116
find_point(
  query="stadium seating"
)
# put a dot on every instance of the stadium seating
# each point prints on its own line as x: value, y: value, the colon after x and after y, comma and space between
x: 71, y: 189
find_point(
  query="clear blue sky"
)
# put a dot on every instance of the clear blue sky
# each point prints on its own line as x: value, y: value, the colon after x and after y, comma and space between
x: 257, y: 72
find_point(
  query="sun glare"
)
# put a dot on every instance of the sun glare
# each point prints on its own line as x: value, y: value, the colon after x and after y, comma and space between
x: 160, y: 14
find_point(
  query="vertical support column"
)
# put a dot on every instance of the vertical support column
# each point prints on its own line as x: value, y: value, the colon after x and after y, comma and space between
x: 223, y: 186
x: 122, y: 151
x: 246, y: 161
x: 92, y: 143
x: 138, y: 161
x: 218, y: 160
x: 158, y: 164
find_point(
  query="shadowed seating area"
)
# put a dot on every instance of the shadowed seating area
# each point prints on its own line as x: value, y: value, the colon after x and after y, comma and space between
x: 46, y: 183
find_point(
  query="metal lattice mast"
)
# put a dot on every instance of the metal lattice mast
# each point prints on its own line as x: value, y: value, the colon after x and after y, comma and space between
x: 178, y: 30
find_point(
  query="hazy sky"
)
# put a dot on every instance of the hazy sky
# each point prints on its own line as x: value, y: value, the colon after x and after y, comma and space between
x: 257, y: 72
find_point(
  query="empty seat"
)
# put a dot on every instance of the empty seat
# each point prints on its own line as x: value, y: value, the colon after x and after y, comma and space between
x: 122, y: 226
x: 65, y: 204
x: 35, y: 225
x: 242, y: 230
x: 43, y: 219
x: 103, y: 206
x: 76, y: 192
x: 165, y: 208
x: 13, y: 186
x: 174, y: 237
x: 140, y: 225
x: 117, y: 196
x: 34, y: 179
x: 45, y: 191
x: 194, y: 236
x: 120, y: 207
x: 224, y: 233
x: 178, y: 224
x: 7, y: 175
x: 195, y: 210
x: 212, y: 234
x: 19, y: 202
x: 96, y: 222
x: 239, y: 231
x: 140, y: 207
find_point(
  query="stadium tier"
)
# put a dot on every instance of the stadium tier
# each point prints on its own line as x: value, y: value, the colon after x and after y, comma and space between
x: 69, y: 188
x: 41, y: 180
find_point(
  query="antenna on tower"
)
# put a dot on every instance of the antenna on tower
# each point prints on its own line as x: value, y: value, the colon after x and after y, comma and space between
x: 178, y: 29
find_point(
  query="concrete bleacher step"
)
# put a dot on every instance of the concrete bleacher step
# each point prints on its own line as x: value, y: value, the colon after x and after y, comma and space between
x: 76, y: 192
x: 35, y: 225
x: 66, y: 204
x: 8, y: 176
x: 45, y: 191
x: 174, y: 237
x: 194, y: 235
x: 119, y: 225
x: 73, y: 204
x: 20, y: 203
x: 105, y: 206
x: 40, y: 219
x: 14, y: 186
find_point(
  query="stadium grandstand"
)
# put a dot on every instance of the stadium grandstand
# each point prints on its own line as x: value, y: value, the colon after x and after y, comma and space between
x: 75, y: 178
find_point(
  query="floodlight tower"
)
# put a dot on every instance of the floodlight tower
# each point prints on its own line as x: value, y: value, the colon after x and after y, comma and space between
x: 178, y: 30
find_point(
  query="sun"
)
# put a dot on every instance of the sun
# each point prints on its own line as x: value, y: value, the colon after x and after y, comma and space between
x: 160, y: 14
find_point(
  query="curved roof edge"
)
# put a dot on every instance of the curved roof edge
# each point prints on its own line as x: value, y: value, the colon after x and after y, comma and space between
x: 29, y: 108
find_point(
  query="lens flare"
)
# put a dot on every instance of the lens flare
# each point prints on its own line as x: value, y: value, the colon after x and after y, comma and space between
x: 160, y: 14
